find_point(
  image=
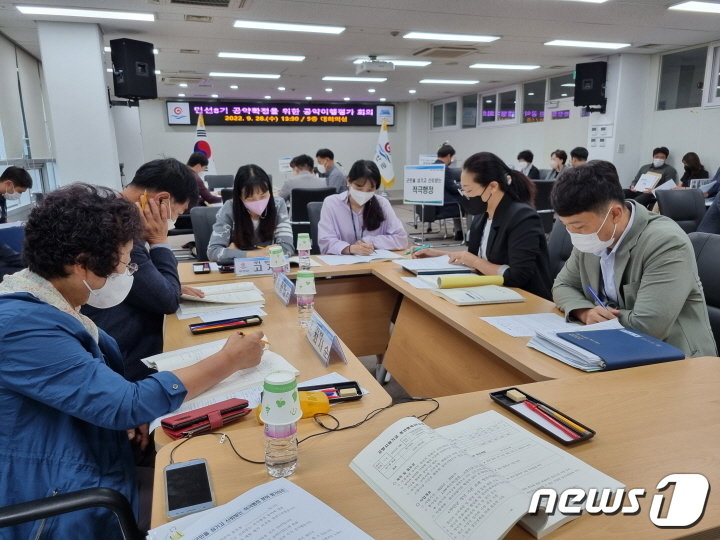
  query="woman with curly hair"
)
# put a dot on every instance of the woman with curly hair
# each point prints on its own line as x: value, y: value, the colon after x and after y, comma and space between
x: 67, y: 414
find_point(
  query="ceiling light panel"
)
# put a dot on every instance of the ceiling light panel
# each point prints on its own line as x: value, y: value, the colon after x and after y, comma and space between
x: 447, y: 81
x: 471, y: 38
x: 252, y: 56
x: 288, y: 27
x: 86, y: 13
x: 244, y: 75
x: 353, y: 79
x: 698, y: 7
x: 401, y: 63
x: 586, y: 44
x: 504, y: 66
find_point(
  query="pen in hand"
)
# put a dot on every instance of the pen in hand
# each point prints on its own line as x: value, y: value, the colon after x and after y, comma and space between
x: 596, y: 298
x: 415, y: 249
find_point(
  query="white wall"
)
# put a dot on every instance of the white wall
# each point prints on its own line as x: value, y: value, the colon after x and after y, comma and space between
x: 235, y: 146
x: 681, y: 130
x: 507, y: 140
x: 129, y: 139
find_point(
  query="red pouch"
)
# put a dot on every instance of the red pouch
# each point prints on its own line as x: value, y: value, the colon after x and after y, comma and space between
x: 205, y: 419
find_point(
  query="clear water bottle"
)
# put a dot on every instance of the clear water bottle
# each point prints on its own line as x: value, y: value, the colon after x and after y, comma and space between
x: 281, y: 450
x: 277, y: 261
x: 304, y: 244
x: 306, y: 306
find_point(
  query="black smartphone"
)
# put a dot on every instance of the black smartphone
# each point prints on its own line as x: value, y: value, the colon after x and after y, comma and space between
x: 187, y: 488
x: 201, y: 268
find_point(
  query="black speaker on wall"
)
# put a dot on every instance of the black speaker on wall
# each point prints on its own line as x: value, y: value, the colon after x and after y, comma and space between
x: 133, y: 69
x: 590, y: 84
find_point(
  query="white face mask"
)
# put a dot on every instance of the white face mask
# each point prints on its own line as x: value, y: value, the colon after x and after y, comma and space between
x: 361, y: 197
x: 657, y: 163
x: 115, y: 290
x: 522, y: 165
x: 171, y: 220
x: 321, y: 168
x: 14, y: 196
x: 591, y: 243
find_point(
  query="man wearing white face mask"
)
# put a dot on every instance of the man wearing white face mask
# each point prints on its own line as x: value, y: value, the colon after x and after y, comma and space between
x: 14, y: 181
x: 640, y: 264
x: 328, y: 170
x: 161, y: 189
x: 658, y: 166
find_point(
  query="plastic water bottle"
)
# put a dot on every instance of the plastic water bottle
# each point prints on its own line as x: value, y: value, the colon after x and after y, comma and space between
x: 281, y: 450
x: 277, y: 261
x: 306, y: 306
x: 304, y: 244
x: 305, y: 296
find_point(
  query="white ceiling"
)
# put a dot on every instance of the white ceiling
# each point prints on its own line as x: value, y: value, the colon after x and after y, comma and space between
x: 376, y: 27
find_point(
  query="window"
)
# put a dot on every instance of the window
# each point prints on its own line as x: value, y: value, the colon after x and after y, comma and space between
x: 488, y: 108
x: 562, y: 87
x: 713, y: 81
x: 437, y: 120
x: 681, y: 79
x: 450, y: 114
x: 469, y: 111
x: 445, y: 114
x: 534, y: 101
x: 506, y: 106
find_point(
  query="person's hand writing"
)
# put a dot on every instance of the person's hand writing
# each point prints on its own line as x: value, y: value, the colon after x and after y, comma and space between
x: 154, y: 220
x: 244, y: 350
x: 361, y: 248
x: 427, y: 252
x: 464, y: 258
x: 191, y: 291
x: 596, y: 314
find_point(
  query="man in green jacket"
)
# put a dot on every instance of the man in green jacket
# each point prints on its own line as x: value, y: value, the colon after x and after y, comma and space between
x: 641, y: 265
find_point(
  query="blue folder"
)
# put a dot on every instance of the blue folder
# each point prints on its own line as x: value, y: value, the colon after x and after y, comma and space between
x: 623, y: 347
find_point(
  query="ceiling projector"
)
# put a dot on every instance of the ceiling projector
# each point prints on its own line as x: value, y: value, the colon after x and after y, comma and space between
x: 374, y: 65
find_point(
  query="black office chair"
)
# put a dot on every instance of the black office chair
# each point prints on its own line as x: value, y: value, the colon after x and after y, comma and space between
x: 559, y: 248
x: 203, y: 219
x: 299, y: 199
x: 313, y: 210
x: 686, y: 207
x: 217, y: 181
x: 226, y: 194
x: 707, y: 255
x: 542, y: 203
x: 426, y: 214
x: 71, y: 502
x: 183, y: 225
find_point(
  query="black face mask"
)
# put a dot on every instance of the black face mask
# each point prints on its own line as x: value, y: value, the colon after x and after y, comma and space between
x: 687, y: 169
x: 474, y: 206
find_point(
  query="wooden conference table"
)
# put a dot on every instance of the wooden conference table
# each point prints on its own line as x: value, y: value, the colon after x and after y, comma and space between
x: 651, y: 421
x: 436, y: 348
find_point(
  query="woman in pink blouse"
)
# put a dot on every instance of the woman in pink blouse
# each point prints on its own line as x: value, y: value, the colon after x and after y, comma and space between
x: 358, y: 222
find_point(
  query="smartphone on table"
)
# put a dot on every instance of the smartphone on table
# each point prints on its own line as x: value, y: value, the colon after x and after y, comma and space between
x: 201, y: 268
x: 187, y: 488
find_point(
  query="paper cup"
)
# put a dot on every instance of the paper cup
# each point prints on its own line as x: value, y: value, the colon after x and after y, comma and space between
x: 280, y: 401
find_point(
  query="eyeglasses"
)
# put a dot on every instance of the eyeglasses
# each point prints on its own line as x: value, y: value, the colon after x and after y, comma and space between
x: 130, y: 268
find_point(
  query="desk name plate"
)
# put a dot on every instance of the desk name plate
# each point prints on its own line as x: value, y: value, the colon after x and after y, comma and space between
x: 324, y: 340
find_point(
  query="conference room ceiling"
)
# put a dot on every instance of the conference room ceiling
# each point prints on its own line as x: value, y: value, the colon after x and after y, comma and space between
x: 189, y: 50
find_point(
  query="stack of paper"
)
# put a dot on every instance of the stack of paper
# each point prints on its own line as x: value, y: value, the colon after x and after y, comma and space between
x: 277, y: 509
x: 432, y: 266
x: 221, y: 297
x: 473, y: 296
x: 377, y: 255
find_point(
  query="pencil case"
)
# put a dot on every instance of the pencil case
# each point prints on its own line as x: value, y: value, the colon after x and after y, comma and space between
x: 205, y: 419
x: 543, y: 416
x: 350, y: 388
x: 225, y: 324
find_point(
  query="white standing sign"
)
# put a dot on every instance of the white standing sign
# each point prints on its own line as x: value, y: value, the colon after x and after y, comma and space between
x: 324, y: 340
x: 424, y: 184
x: 284, y: 165
x: 252, y: 266
x: 427, y: 159
x: 284, y: 289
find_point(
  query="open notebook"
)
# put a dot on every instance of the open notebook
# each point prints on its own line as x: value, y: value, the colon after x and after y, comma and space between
x: 472, y: 479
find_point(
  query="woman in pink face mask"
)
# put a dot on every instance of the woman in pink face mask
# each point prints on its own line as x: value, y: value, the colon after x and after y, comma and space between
x: 252, y: 219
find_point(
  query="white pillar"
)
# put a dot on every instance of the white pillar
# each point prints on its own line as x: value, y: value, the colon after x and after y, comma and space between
x: 85, y: 147
x: 616, y: 135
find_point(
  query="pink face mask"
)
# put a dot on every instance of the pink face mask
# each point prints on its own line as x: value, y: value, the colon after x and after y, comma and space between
x: 257, y: 207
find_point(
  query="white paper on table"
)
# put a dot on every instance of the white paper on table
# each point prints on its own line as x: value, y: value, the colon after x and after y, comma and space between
x: 529, y: 325
x: 277, y: 509
x: 243, y: 292
x: 214, y: 267
x: 232, y: 313
x: 329, y: 379
x: 430, y: 263
x: 295, y: 261
x: 187, y: 310
x: 670, y: 184
x: 378, y: 254
x: 419, y: 283
x: 705, y: 188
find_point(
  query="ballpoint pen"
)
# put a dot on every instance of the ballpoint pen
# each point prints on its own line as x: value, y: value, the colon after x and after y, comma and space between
x: 413, y: 250
x: 596, y: 297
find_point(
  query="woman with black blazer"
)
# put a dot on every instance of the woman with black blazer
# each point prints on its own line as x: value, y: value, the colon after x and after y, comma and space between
x: 507, y: 236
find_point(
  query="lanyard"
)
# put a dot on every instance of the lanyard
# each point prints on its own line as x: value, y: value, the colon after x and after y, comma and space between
x: 352, y: 218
